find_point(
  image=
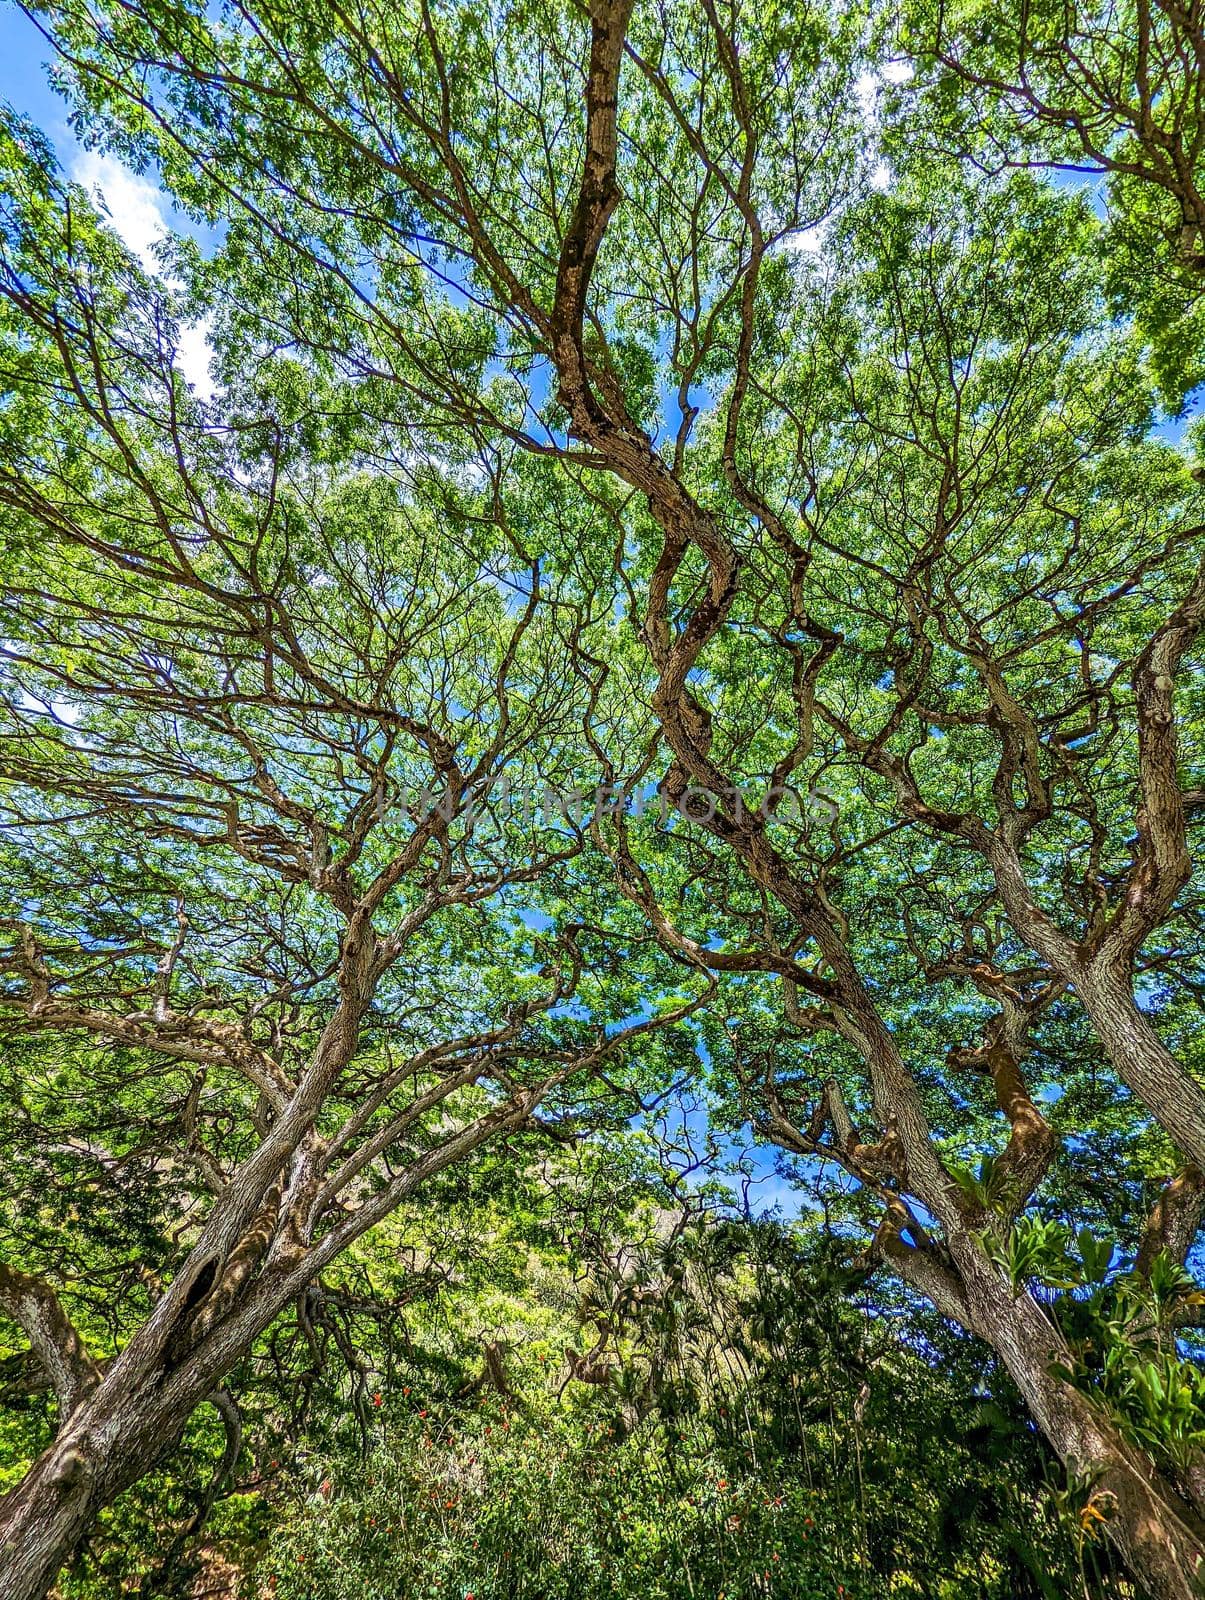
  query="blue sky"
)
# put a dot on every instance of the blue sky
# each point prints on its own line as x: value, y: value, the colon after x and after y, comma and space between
x: 23, y: 57
x: 136, y: 207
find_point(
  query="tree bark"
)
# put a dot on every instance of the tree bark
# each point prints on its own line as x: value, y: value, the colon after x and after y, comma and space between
x: 1143, y: 1062
x: 121, y: 1429
x: 137, y: 1410
x: 109, y: 1442
x: 1158, y: 1535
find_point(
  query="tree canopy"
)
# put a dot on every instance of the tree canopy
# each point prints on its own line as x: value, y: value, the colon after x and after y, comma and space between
x: 681, y: 607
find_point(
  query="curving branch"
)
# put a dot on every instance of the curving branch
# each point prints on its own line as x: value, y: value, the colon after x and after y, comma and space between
x: 1175, y: 1220
x: 35, y: 1307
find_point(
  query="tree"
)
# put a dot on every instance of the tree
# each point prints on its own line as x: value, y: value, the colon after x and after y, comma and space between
x: 892, y: 538
x: 265, y: 876
x: 1089, y: 89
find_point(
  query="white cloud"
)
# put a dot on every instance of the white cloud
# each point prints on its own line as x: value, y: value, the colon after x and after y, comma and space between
x: 898, y: 71
x: 866, y: 93
x: 809, y: 241
x: 59, y: 709
x: 135, y: 209
x: 867, y: 85
x: 133, y: 203
x: 194, y: 355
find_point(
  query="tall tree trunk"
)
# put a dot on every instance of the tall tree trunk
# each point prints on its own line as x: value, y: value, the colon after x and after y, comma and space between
x: 122, y: 1428
x: 1144, y: 1063
x: 1158, y: 1535
x: 137, y: 1409
x: 44, y: 1518
x: 113, y: 1438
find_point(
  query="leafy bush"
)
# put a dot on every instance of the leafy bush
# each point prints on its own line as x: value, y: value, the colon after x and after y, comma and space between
x: 513, y: 1505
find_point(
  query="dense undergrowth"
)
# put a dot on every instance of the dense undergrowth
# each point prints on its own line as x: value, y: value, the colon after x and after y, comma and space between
x: 618, y: 1398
